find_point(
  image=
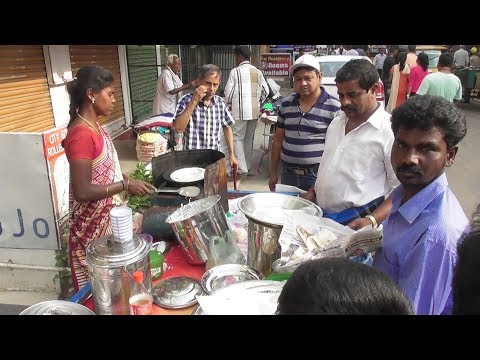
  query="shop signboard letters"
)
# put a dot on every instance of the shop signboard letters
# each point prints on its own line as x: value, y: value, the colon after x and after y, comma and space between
x: 27, y: 218
x: 276, y: 64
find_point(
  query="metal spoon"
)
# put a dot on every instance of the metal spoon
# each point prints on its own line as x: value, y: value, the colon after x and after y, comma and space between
x: 187, y: 191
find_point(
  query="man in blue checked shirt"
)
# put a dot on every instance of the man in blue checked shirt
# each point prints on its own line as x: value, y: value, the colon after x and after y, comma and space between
x: 421, y: 233
x: 202, y: 115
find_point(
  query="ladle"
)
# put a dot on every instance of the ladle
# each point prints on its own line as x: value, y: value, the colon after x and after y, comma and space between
x: 187, y: 191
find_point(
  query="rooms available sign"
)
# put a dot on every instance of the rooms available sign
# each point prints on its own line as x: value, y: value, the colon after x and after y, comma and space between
x: 276, y: 64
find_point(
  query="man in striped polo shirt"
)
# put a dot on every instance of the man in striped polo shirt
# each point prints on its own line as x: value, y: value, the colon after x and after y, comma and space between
x: 202, y: 114
x: 302, y: 122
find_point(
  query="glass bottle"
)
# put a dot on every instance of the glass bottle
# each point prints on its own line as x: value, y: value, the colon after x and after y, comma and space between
x: 140, y: 298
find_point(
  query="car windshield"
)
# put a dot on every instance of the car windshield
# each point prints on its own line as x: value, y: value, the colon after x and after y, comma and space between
x: 433, y: 56
x: 329, y: 69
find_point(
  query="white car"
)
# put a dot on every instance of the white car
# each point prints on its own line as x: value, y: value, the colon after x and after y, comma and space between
x: 330, y: 64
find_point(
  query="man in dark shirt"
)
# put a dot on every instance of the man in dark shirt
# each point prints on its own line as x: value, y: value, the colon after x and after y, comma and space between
x: 387, y: 65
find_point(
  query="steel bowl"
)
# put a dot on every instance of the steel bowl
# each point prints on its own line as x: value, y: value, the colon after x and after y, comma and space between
x: 267, y: 208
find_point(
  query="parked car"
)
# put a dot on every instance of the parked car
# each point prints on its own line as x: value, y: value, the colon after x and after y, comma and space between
x: 330, y: 64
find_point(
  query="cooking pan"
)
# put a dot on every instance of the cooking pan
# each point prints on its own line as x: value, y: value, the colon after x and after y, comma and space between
x: 167, y: 175
x: 153, y: 221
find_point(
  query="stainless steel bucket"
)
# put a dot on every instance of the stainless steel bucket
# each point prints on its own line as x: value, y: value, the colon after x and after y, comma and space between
x: 111, y: 265
x: 195, y: 224
x: 264, y: 212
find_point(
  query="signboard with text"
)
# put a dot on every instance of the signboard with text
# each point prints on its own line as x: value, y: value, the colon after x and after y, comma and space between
x: 276, y: 64
x: 58, y: 171
x: 26, y: 216
x: 306, y: 48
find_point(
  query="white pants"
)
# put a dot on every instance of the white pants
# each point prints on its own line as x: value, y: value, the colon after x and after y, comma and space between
x: 243, y: 136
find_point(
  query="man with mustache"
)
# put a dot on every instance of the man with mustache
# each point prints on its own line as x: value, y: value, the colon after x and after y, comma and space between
x: 355, y: 173
x: 303, y: 119
x: 426, y: 221
x: 202, y: 115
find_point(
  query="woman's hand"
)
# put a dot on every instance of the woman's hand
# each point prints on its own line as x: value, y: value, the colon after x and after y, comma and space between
x: 139, y: 187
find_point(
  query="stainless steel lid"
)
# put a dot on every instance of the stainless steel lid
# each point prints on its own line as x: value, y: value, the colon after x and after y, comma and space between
x: 177, y: 292
x: 57, y: 307
x: 107, y: 253
x: 193, y: 208
x: 223, y: 275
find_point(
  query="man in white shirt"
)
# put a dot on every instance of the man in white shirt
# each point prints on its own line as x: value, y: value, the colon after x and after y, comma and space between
x: 355, y: 173
x: 460, y: 58
x: 245, y: 90
x: 169, y: 87
x: 379, y: 59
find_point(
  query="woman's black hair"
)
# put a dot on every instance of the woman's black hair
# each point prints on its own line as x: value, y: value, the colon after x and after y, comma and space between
x: 88, y: 77
x: 401, y: 60
x: 423, y: 61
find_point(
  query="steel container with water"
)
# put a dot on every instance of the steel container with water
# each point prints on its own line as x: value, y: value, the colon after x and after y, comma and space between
x: 111, y: 265
x: 196, y: 224
x: 266, y: 217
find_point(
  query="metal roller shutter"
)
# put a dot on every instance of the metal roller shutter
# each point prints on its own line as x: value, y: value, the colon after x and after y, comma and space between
x: 166, y: 50
x: 142, y: 74
x: 25, y: 104
x: 105, y: 56
x: 222, y: 56
x: 192, y: 59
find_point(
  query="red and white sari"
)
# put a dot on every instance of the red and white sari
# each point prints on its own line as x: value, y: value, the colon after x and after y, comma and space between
x: 89, y: 221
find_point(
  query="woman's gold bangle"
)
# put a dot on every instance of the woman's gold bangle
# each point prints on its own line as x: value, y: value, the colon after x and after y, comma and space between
x: 128, y: 183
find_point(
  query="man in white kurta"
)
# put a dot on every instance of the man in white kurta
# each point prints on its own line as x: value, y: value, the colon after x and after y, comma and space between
x: 169, y: 87
x: 245, y: 90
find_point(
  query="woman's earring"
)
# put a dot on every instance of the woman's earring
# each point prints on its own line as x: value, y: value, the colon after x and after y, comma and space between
x: 93, y: 101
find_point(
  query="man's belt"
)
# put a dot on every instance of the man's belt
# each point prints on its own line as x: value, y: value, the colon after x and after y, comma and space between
x: 302, y: 171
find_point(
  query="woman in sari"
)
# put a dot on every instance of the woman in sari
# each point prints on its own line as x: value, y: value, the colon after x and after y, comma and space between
x: 399, y: 81
x: 96, y: 181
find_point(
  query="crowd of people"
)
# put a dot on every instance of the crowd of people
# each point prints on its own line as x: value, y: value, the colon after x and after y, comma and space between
x: 361, y: 163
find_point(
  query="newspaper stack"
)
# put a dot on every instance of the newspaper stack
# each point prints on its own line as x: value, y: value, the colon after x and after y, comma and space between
x: 305, y: 237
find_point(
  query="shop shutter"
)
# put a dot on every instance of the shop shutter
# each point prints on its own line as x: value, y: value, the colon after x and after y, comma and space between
x: 142, y: 74
x: 193, y: 56
x: 105, y: 56
x: 25, y: 104
x: 166, y: 50
x: 222, y: 56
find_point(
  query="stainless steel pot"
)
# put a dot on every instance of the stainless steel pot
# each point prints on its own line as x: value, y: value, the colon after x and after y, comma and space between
x: 111, y: 265
x: 195, y: 224
x: 265, y: 215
